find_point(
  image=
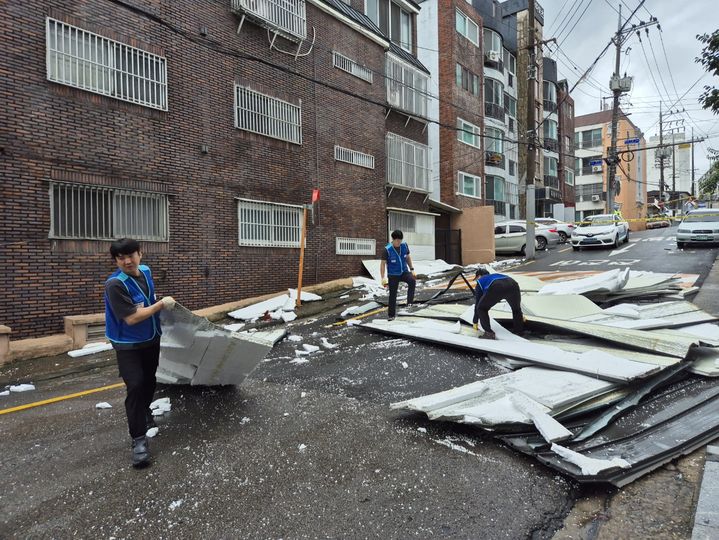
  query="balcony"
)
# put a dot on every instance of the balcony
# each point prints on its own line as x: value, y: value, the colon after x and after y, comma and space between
x: 551, y: 145
x: 551, y: 181
x: 286, y: 17
x: 494, y: 111
x: 550, y: 106
x: 591, y: 169
x: 494, y: 159
x: 406, y: 87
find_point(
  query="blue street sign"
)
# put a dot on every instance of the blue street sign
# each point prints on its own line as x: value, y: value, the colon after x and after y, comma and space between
x: 627, y: 142
x: 596, y: 162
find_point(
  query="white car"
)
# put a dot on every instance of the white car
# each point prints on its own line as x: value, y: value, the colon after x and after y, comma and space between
x: 700, y: 226
x: 563, y: 228
x: 511, y: 237
x: 600, y: 230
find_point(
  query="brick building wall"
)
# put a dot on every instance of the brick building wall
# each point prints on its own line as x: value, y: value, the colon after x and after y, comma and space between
x: 565, y: 114
x: 54, y: 132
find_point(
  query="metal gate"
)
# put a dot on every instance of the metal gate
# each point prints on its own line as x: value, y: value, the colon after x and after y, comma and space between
x: 448, y: 245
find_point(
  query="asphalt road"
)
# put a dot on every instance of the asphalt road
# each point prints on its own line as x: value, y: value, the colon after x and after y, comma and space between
x: 298, y: 451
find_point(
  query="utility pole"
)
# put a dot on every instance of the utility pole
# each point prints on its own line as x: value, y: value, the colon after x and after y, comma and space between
x: 674, y: 166
x: 660, y: 151
x: 693, y: 188
x: 531, y: 133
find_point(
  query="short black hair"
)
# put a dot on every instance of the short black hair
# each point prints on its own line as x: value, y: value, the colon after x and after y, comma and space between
x: 124, y: 246
x: 481, y: 271
x: 397, y: 235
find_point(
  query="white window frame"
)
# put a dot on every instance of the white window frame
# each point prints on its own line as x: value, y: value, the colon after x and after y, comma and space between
x: 406, y: 87
x: 288, y: 18
x: 548, y: 169
x: 496, y: 41
x: 355, y: 246
x: 550, y: 129
x: 462, y: 127
x: 463, y: 23
x: 354, y: 157
x: 494, y: 139
x: 75, y: 209
x: 567, y: 173
x: 283, y: 228
x: 461, y: 176
x: 346, y: 64
x: 410, y: 169
x: 89, y: 61
x: 404, y: 221
x: 262, y: 122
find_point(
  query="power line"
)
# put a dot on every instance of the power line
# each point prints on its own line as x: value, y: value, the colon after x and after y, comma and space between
x: 575, y: 23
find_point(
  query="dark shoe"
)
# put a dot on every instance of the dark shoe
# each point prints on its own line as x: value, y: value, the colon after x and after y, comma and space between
x: 149, y: 420
x: 140, y: 452
x: 489, y: 335
x: 390, y: 318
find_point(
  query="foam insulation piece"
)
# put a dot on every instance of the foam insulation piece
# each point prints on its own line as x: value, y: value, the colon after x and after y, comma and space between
x: 548, y: 427
x: 91, y: 348
x: 285, y: 302
x: 359, y: 310
x: 564, y: 306
x: 589, y: 466
x: 606, y: 282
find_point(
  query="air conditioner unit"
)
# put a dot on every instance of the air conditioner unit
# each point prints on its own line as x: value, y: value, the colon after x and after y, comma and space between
x: 493, y: 56
x: 596, y: 198
x: 596, y: 168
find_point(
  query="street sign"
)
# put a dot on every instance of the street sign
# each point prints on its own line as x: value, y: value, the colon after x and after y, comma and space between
x: 628, y: 142
x: 596, y: 163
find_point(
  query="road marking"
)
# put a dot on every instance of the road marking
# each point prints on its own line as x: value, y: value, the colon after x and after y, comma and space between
x: 597, y: 262
x: 623, y: 250
x: 60, y: 398
x: 563, y: 250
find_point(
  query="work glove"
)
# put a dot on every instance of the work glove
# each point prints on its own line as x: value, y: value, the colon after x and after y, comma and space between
x: 168, y: 302
x: 385, y: 282
x: 414, y: 274
x: 476, y: 327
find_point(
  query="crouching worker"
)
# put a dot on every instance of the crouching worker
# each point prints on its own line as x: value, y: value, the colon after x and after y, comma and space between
x: 492, y: 289
x: 397, y: 261
x: 132, y: 324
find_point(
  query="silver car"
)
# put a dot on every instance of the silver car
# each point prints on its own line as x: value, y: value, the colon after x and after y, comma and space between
x: 511, y: 237
x: 564, y: 229
x: 699, y: 226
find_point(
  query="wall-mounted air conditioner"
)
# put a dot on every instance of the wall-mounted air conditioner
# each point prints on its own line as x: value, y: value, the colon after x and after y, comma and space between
x: 596, y: 168
x: 596, y: 198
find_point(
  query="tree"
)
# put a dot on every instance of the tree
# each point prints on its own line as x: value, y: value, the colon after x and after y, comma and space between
x: 710, y: 60
x: 710, y: 181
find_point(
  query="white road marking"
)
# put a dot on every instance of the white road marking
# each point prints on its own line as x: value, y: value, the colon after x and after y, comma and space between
x: 623, y: 250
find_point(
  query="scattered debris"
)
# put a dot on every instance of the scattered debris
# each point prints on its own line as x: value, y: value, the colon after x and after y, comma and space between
x: 21, y: 388
x: 282, y: 303
x: 5, y: 393
x: 359, y: 310
x: 174, y: 505
x: 103, y: 405
x: 302, y: 448
x: 152, y: 432
x: 235, y: 327
x: 294, y: 338
x: 90, y: 348
x: 310, y: 348
x: 327, y: 345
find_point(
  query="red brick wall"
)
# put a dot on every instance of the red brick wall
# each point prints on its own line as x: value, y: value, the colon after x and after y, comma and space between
x: 52, y: 131
x: 565, y: 115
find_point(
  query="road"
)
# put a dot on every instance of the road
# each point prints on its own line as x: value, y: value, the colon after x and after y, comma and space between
x: 298, y: 451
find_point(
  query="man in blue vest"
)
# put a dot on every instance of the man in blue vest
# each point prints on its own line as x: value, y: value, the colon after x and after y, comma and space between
x: 398, y: 263
x: 132, y: 324
x: 492, y: 289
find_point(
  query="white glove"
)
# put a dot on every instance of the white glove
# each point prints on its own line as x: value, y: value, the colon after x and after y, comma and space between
x: 168, y: 302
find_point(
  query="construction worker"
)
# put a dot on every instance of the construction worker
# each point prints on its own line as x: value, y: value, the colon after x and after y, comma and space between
x: 398, y: 263
x: 492, y: 289
x: 132, y: 324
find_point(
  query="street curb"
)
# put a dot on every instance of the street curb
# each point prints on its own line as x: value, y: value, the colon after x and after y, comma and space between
x: 708, y: 296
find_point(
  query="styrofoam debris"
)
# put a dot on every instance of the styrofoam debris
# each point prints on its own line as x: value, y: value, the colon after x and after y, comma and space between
x: 310, y: 348
x: 234, y: 327
x: 5, y: 393
x: 157, y: 412
x: 158, y: 402
x: 353, y: 322
x: 422, y: 429
x: 589, y: 466
x: 302, y: 447
x: 22, y: 387
x: 300, y: 360
x: 288, y: 316
x: 174, y: 505
x: 327, y: 345
x: 91, y: 348
x: 103, y: 405
x: 405, y: 365
x: 245, y: 420
x: 294, y: 338
x: 152, y: 432
x: 344, y: 296
x: 303, y: 394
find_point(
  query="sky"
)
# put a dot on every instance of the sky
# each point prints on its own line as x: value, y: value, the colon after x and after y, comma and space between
x: 581, y: 43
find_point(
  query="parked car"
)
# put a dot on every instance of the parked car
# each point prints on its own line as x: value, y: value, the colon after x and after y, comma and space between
x: 511, y: 237
x: 564, y: 229
x: 600, y: 230
x: 699, y: 226
x: 657, y: 222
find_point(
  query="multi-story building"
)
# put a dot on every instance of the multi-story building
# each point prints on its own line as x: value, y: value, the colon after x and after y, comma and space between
x: 566, y: 148
x: 592, y: 138
x: 201, y: 129
x: 677, y: 163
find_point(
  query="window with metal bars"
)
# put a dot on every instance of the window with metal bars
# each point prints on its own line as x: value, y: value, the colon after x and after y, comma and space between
x: 355, y: 246
x: 354, y: 157
x: 264, y: 224
x: 407, y: 163
x: 84, y: 212
x: 406, y: 87
x: 406, y: 223
x: 267, y: 115
x: 287, y: 17
x: 353, y: 68
x: 90, y: 62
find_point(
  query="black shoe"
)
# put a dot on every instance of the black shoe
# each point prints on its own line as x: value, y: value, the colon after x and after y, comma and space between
x: 390, y: 318
x: 149, y: 420
x: 140, y: 452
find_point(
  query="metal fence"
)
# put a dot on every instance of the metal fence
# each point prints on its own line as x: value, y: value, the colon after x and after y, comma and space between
x: 354, y: 157
x: 407, y: 163
x: 90, y: 62
x: 267, y: 115
x: 353, y: 68
x: 288, y: 17
x: 263, y: 224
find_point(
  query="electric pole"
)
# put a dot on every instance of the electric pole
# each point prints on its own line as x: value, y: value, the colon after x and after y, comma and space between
x: 693, y: 188
x: 531, y: 133
x: 660, y: 152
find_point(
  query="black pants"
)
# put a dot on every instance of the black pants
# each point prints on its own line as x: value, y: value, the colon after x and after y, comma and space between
x: 137, y: 369
x: 394, y: 282
x: 501, y: 289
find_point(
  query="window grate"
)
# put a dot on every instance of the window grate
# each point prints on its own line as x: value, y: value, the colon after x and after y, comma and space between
x: 407, y: 163
x: 90, y: 62
x: 356, y: 246
x: 287, y: 17
x: 353, y: 68
x: 268, y: 116
x: 354, y: 157
x: 105, y: 213
x: 263, y: 224
x: 406, y: 223
x: 406, y: 87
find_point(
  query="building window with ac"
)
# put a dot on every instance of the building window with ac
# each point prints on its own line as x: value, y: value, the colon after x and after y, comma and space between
x: 406, y: 87
x: 393, y: 20
x: 589, y: 165
x: 407, y: 163
x: 89, y: 212
x: 265, y: 224
x: 493, y: 50
x: 288, y: 18
x: 469, y: 185
x: 468, y: 133
x: 267, y: 115
x: 103, y: 66
x: 494, y: 99
x: 494, y: 145
x: 467, y: 80
x: 467, y: 27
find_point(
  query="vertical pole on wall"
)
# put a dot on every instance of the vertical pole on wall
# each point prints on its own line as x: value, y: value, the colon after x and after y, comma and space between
x: 298, y: 302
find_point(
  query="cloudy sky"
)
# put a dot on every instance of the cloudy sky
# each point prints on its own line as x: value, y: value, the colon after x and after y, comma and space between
x: 581, y: 43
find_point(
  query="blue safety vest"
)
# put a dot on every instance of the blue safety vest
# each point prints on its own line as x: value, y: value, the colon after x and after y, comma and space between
x: 484, y: 282
x: 117, y: 330
x: 397, y: 259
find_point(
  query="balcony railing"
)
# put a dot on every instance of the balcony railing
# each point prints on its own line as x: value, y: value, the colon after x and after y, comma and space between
x: 551, y: 144
x: 494, y: 159
x: 494, y: 111
x: 550, y: 106
x: 406, y: 87
x: 286, y: 17
x: 591, y: 169
x: 551, y: 181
